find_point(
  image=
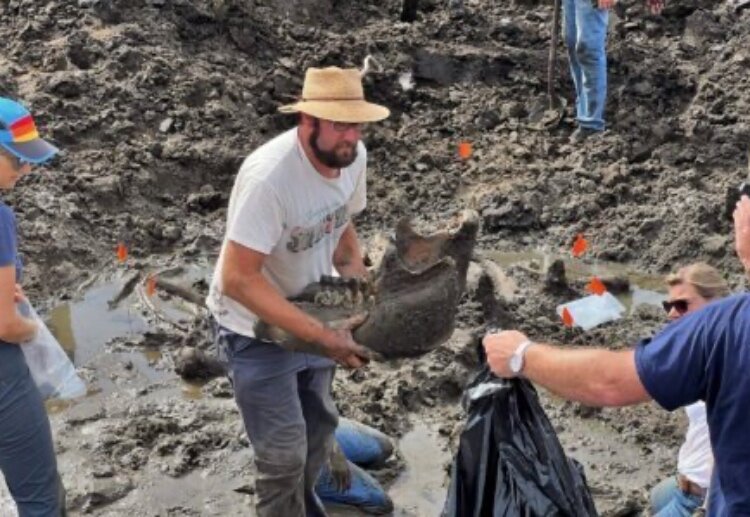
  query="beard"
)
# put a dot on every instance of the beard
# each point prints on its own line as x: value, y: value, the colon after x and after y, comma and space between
x: 342, y: 155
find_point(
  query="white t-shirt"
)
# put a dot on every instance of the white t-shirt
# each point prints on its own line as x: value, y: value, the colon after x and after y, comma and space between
x: 696, y: 461
x: 282, y: 207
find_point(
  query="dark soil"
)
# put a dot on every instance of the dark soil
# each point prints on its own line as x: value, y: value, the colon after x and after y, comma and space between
x: 156, y: 102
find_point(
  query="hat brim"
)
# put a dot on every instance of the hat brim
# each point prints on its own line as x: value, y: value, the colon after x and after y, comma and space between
x: 34, y: 151
x: 354, y: 111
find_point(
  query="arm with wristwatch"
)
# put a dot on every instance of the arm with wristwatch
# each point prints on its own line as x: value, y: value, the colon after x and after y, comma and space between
x: 595, y: 377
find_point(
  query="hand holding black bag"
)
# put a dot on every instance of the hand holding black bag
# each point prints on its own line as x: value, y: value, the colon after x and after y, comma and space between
x: 510, y: 461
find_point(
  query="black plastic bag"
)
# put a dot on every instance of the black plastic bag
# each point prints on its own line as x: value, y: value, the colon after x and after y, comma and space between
x: 509, y: 461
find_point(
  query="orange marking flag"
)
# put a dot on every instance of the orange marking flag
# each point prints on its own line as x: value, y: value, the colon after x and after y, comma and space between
x: 464, y: 150
x: 150, y: 285
x: 567, y: 318
x: 596, y: 286
x: 580, y: 246
x: 122, y: 252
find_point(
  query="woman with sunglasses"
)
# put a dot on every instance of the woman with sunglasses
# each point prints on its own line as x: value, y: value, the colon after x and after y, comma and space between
x: 690, y: 288
x: 27, y: 456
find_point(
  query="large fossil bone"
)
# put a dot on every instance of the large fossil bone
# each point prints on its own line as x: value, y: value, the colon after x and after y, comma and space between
x: 411, y: 302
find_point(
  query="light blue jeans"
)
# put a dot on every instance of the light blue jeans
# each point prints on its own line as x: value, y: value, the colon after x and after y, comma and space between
x: 585, y: 32
x: 667, y: 500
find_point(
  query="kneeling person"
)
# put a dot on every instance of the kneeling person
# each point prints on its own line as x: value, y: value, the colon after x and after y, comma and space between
x: 690, y: 289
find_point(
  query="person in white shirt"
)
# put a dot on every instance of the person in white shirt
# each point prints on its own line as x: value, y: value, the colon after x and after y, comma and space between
x: 690, y: 288
x: 288, y: 224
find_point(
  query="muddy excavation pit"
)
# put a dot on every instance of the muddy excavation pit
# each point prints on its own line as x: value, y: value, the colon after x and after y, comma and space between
x: 156, y: 103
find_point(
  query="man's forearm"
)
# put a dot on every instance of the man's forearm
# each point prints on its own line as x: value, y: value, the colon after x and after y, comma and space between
x: 263, y: 299
x: 594, y: 377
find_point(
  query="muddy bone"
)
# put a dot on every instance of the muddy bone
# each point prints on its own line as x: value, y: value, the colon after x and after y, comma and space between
x: 411, y: 301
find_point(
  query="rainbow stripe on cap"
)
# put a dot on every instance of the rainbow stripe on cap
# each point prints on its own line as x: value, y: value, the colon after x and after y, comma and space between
x: 19, y: 135
x: 24, y: 130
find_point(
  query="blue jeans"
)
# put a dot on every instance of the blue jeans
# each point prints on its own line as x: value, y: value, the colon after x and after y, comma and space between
x: 290, y: 418
x: 27, y: 455
x: 667, y: 500
x: 585, y: 32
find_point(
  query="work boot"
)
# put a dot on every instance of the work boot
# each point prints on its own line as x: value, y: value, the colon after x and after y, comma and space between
x: 583, y: 133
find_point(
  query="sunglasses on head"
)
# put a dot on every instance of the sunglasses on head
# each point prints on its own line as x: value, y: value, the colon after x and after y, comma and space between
x: 681, y: 306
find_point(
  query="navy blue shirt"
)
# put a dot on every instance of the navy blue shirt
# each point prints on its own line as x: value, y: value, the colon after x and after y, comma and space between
x: 705, y: 356
x: 9, y: 241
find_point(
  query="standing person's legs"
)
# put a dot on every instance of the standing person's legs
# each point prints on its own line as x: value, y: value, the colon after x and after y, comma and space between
x: 27, y: 455
x: 272, y: 413
x: 591, y: 56
x: 321, y: 418
x: 570, y: 35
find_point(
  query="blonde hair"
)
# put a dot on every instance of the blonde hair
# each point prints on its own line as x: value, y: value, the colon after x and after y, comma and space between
x: 705, y: 279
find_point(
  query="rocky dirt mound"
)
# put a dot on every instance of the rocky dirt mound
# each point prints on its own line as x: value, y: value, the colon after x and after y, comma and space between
x: 156, y: 102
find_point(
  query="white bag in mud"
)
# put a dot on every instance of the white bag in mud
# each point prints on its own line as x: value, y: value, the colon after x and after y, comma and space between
x: 590, y: 311
x: 51, y: 368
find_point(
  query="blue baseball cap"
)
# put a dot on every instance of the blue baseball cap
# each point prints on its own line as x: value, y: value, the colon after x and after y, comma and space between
x: 19, y: 136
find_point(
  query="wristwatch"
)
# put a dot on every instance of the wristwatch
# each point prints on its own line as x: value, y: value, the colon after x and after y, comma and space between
x: 516, y: 360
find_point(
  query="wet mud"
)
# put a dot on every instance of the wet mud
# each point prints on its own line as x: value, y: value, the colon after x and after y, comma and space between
x: 156, y: 102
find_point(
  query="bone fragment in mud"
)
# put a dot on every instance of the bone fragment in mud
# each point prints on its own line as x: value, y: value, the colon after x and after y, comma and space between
x: 181, y: 292
x: 125, y: 291
x: 192, y: 363
x: 555, y: 279
x: 411, y: 302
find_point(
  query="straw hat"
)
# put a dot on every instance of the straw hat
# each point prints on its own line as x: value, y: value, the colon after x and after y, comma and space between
x: 336, y: 94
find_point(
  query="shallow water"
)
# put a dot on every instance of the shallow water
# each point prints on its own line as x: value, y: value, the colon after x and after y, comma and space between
x: 645, y: 288
x: 421, y: 487
x: 84, y: 326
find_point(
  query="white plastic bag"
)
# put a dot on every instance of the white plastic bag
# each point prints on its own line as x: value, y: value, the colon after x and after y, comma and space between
x: 590, y: 311
x: 51, y: 368
x: 7, y: 504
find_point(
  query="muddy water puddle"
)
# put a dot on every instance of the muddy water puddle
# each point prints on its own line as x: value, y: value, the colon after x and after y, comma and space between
x: 644, y: 288
x: 116, y: 308
x: 421, y: 488
x: 83, y: 327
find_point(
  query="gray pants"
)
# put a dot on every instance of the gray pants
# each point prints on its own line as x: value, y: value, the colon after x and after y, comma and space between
x: 27, y: 455
x: 290, y: 419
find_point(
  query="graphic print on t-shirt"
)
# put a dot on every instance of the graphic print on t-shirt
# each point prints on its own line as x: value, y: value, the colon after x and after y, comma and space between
x: 304, y: 238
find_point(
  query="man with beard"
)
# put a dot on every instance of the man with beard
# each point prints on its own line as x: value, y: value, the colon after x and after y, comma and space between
x: 289, y: 223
